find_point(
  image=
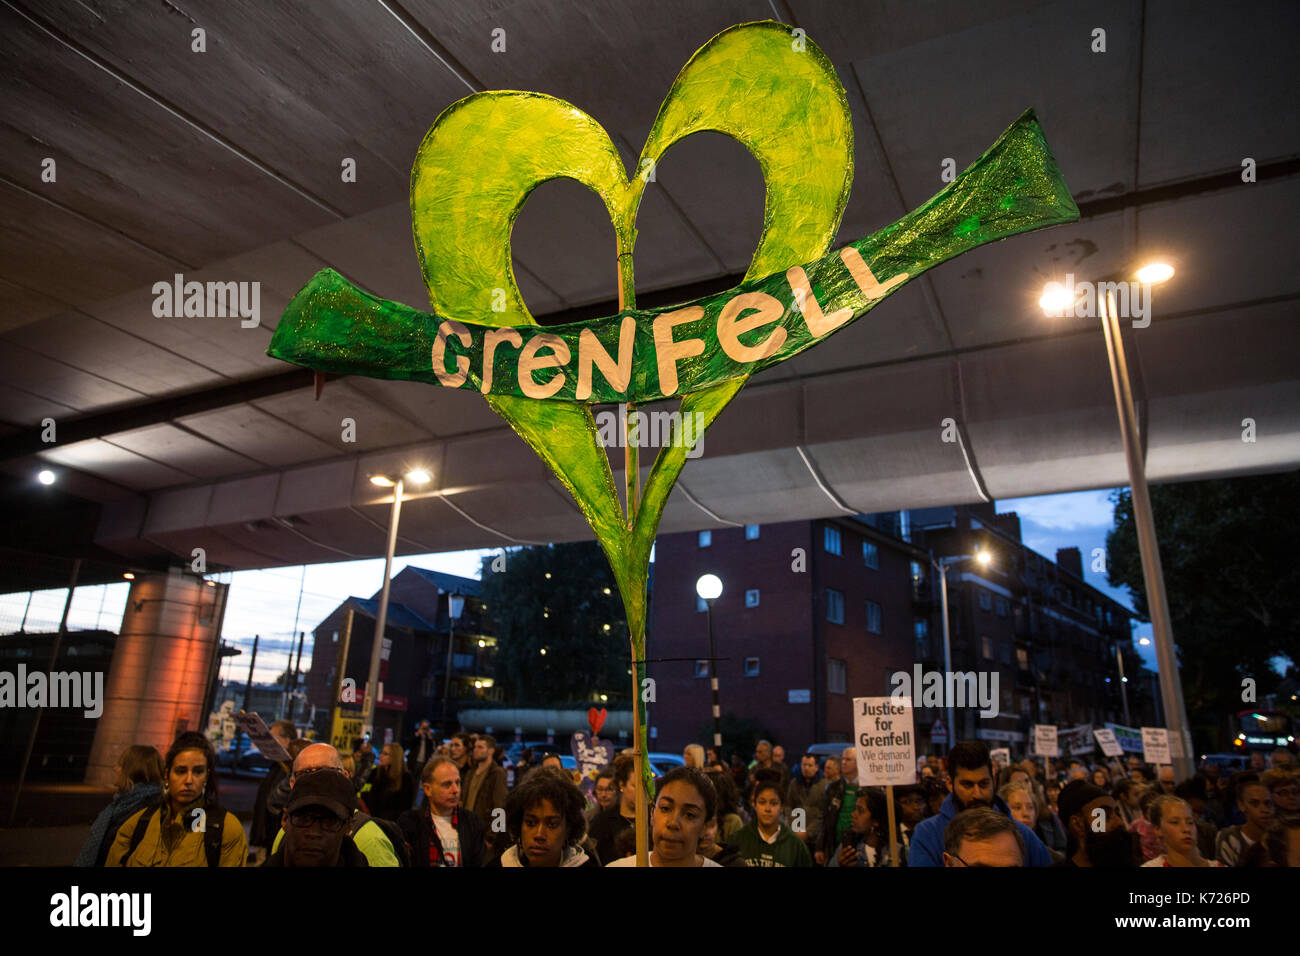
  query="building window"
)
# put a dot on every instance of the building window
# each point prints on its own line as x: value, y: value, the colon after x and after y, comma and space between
x: 335, y: 638
x: 1004, y: 652
x: 832, y: 539
x: 871, y: 555
x: 705, y: 539
x: 701, y: 668
x: 918, y: 578
x: 751, y: 597
x: 986, y: 600
x: 751, y: 532
x: 751, y: 666
x: 1002, y: 606
x: 836, y: 676
x: 1022, y: 658
x: 701, y: 604
x: 873, y: 617
x: 986, y: 648
x: 834, y: 606
x: 921, y: 630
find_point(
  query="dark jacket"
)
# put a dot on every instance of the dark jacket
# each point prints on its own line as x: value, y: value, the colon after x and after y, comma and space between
x: 604, y: 831
x: 267, y: 811
x: 728, y: 855
x: 491, y: 793
x: 122, y: 807
x: 389, y: 804
x: 927, y: 840
x: 349, y: 855
x: 832, y: 803
x: 417, y: 828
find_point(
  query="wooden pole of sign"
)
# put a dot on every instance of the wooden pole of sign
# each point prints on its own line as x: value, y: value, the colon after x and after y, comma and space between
x: 893, y: 826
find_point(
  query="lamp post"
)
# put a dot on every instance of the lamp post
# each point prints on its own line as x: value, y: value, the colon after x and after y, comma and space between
x: 709, y: 587
x: 1123, y: 683
x: 418, y: 477
x: 1148, y: 547
x: 455, y: 605
x: 941, y: 565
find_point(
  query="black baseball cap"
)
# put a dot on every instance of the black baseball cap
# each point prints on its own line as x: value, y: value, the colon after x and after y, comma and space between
x: 333, y: 791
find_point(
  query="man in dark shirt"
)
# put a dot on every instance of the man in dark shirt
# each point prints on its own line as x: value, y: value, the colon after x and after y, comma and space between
x: 608, y: 824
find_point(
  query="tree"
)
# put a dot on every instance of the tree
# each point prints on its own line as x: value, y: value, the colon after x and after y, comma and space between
x: 1228, y: 548
x: 560, y: 598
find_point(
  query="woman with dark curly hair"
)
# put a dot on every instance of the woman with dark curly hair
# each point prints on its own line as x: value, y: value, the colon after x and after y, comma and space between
x: 546, y: 821
x: 188, y: 827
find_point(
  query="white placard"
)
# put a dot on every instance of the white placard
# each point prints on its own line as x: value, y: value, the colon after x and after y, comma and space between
x: 1046, y: 743
x: 1155, y: 745
x: 1001, y: 756
x: 885, y: 739
x: 1107, y: 741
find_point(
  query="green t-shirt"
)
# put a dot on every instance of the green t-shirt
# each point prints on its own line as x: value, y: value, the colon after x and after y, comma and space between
x: 786, y: 850
x: 846, y: 811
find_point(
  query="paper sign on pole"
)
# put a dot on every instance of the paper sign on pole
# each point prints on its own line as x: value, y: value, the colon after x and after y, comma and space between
x: 1106, y: 740
x: 260, y: 735
x: 885, y: 739
x: 1155, y: 745
x: 1001, y: 756
x: 1046, y: 743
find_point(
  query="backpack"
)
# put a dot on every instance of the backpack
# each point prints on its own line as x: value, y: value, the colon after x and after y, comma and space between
x: 211, y: 835
x: 390, y: 830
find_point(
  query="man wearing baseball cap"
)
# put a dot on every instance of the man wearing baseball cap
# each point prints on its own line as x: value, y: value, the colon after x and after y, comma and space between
x: 316, y: 824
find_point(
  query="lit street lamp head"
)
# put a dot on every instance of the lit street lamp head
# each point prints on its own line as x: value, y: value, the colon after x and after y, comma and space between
x: 709, y: 587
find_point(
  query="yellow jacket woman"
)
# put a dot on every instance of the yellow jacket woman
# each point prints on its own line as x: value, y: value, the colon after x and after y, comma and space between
x: 184, y: 829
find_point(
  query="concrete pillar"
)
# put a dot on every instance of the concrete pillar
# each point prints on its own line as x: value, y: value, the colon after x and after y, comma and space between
x: 161, y: 666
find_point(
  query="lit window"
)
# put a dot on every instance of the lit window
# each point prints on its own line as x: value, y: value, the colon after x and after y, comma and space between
x: 705, y: 538
x: 873, y: 617
x: 751, y: 532
x: 870, y: 555
x: 832, y: 539
x: 921, y: 631
x: 751, y: 666
x: 986, y: 600
x: 1022, y: 658
x: 986, y: 647
x: 751, y: 597
x: 836, y: 676
x: 701, y: 668
x: 834, y: 606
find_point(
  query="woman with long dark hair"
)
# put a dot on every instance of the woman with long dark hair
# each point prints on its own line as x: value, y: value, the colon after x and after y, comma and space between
x: 391, y: 790
x: 187, y: 827
x: 138, y: 783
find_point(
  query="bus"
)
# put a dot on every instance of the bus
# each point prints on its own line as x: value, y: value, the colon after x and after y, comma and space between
x: 1263, y: 730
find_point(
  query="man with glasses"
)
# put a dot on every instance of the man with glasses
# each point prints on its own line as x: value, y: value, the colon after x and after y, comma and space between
x: 377, y: 845
x: 982, y: 837
x: 316, y: 824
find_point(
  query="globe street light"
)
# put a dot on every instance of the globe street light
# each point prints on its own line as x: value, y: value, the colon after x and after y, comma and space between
x: 709, y: 588
x: 417, y: 476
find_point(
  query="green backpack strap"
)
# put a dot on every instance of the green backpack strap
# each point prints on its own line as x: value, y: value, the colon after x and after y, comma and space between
x: 137, y: 834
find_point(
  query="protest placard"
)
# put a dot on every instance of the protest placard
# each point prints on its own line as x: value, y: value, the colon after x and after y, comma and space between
x: 1155, y: 745
x: 1106, y: 739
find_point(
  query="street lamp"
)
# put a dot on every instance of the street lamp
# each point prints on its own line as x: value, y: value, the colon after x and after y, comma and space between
x: 709, y: 588
x: 417, y: 476
x: 455, y: 607
x: 984, y: 558
x: 1148, y: 547
x: 1123, y: 684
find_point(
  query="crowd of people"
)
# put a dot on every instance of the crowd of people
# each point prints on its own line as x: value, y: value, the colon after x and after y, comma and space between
x: 460, y: 803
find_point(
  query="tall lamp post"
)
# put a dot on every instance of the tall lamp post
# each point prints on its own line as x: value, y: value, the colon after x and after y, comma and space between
x: 1148, y: 547
x: 455, y: 605
x: 941, y: 565
x: 1123, y: 684
x: 709, y: 588
x: 416, y: 476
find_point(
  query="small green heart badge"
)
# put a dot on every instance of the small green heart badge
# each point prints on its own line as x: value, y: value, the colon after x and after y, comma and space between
x: 776, y: 93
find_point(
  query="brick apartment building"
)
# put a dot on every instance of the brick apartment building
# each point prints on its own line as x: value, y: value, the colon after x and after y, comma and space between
x: 815, y: 613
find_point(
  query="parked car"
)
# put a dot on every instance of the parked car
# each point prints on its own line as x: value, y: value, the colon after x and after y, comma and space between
x: 824, y: 750
x: 666, y: 760
x: 1228, y: 762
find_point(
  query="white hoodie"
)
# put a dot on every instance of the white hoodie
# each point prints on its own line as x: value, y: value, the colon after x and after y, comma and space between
x: 572, y: 856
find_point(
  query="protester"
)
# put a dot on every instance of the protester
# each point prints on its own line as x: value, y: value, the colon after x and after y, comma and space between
x: 442, y: 833
x: 837, y: 808
x: 461, y: 749
x: 603, y: 793
x: 137, y: 783
x: 316, y: 825
x: 421, y: 747
x: 972, y: 787
x: 982, y: 836
x: 484, y: 788
x: 545, y: 822
x: 713, y: 760
x: 1193, y: 792
x: 1023, y: 807
x: 693, y: 756
x: 723, y: 854
x: 391, y: 791
x: 1101, y: 777
x: 1150, y: 842
x: 767, y: 842
x: 1128, y: 794
x: 910, y: 809
x: 729, y: 819
x: 621, y: 815
x: 267, y: 812
x: 1284, y: 787
x: 684, y: 804
x: 1244, y: 844
x: 1165, y: 780
x: 188, y: 827
x: 806, y: 793
x: 363, y: 752
x: 935, y: 794
x: 866, y: 841
x: 764, y: 760
x: 1096, y: 832
x: 1176, y: 821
